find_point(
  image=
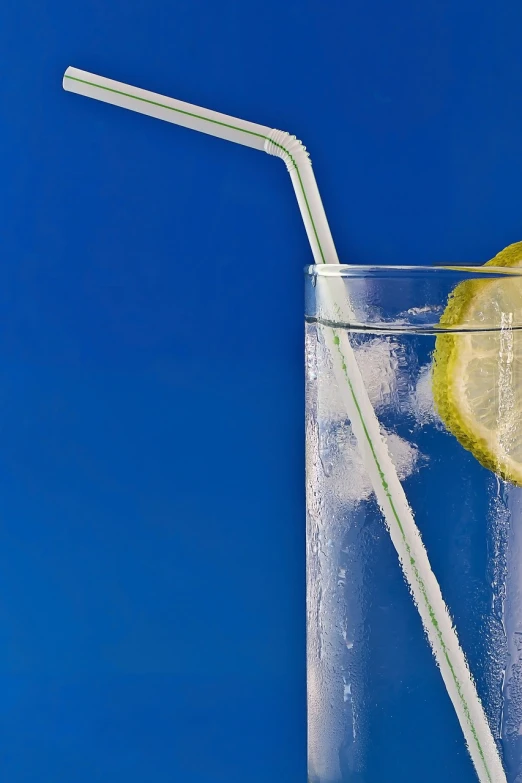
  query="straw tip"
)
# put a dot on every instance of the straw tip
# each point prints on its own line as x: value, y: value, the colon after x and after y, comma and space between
x: 66, y: 78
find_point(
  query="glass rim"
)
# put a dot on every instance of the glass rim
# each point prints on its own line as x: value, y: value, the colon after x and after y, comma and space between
x: 371, y: 286
x: 407, y: 270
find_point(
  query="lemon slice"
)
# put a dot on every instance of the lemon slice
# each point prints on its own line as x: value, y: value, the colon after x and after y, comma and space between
x: 477, y: 376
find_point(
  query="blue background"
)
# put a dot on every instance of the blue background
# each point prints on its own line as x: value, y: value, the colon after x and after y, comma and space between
x: 151, y: 385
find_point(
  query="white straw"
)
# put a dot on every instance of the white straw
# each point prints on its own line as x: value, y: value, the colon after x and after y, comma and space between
x: 388, y: 489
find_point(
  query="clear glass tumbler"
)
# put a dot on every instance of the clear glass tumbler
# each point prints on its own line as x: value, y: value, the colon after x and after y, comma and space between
x: 378, y: 709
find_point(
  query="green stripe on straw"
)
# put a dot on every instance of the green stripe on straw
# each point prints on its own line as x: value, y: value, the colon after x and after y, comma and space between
x: 159, y: 104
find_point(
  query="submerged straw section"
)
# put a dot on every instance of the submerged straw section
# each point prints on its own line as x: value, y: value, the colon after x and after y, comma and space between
x: 388, y: 489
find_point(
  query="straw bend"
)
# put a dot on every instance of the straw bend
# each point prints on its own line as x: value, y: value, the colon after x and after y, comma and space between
x: 288, y: 148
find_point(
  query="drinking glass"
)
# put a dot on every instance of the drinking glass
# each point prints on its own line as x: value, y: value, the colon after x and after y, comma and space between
x: 378, y: 710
